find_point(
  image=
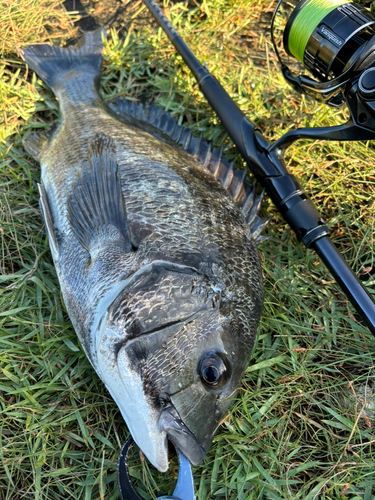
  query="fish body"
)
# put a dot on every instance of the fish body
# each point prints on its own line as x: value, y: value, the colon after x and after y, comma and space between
x: 157, y: 263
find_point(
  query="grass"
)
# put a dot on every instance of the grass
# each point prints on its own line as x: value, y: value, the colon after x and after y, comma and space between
x: 302, y: 424
x: 25, y: 22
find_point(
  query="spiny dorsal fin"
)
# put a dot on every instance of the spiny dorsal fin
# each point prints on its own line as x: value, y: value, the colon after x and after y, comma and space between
x: 96, y: 206
x: 232, y: 180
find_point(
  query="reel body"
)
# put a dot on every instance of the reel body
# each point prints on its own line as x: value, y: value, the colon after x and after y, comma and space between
x: 335, y: 40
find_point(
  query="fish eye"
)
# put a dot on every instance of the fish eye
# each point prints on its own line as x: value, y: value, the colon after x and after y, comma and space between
x: 214, y: 370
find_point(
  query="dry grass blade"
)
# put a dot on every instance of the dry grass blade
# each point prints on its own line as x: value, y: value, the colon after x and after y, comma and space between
x: 24, y: 22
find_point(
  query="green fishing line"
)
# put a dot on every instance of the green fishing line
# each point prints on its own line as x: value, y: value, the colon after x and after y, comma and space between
x: 310, y: 15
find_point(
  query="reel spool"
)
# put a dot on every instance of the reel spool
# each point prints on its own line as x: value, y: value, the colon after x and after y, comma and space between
x: 331, y: 38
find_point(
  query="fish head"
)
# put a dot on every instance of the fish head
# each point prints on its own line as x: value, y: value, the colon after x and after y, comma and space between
x: 172, y: 352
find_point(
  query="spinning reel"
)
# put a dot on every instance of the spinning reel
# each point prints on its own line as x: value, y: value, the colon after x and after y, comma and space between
x: 335, y: 40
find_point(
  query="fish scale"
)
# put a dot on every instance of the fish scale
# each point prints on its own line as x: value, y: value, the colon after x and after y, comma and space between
x: 157, y: 263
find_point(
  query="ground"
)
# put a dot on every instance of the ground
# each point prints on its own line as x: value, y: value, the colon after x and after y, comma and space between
x: 302, y: 424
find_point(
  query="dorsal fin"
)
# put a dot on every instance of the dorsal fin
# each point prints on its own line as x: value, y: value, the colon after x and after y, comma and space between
x: 232, y: 180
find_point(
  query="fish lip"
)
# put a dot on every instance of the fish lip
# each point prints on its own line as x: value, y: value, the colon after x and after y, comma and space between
x: 181, y: 436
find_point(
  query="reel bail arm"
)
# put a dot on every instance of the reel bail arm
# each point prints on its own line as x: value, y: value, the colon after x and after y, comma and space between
x: 269, y: 168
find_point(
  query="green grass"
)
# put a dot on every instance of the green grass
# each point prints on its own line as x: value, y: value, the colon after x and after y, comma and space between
x: 296, y: 430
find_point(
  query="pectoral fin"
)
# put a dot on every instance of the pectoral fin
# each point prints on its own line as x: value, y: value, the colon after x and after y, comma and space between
x: 46, y: 213
x: 96, y: 206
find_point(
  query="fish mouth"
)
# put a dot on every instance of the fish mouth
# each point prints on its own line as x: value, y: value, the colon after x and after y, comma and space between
x: 183, y: 439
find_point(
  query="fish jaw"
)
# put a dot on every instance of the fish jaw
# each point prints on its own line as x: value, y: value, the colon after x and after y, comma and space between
x: 181, y: 436
x: 126, y: 388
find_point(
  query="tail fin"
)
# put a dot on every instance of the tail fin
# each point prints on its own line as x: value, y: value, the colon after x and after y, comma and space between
x: 51, y: 62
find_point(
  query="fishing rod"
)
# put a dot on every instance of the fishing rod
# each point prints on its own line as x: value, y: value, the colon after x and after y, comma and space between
x: 335, y: 39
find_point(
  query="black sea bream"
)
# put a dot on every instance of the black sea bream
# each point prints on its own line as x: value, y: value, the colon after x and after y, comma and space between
x: 154, y: 241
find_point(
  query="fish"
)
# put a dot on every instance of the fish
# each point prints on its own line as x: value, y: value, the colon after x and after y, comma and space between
x: 154, y: 239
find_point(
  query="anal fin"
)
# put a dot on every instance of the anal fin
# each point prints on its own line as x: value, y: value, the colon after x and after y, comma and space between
x: 96, y: 206
x: 34, y: 144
